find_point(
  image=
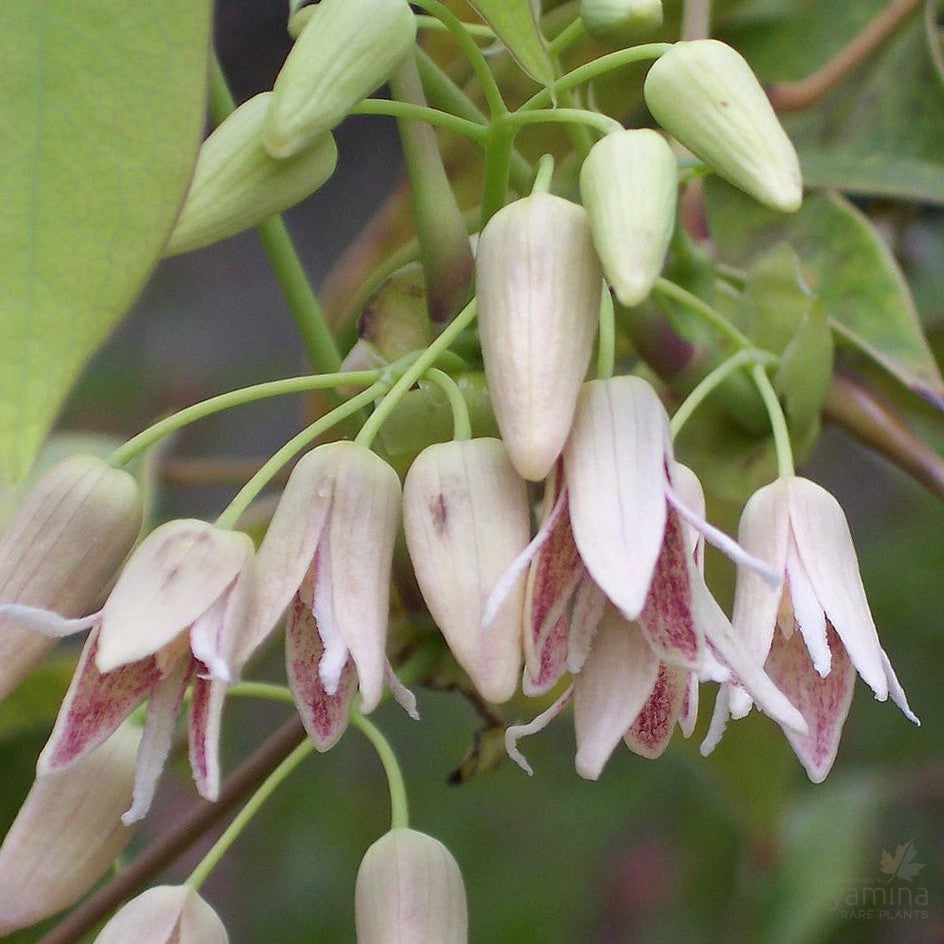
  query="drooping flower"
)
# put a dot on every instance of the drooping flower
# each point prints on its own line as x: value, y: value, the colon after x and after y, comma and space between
x: 815, y: 634
x: 61, y: 550
x: 538, y: 284
x: 168, y: 914
x: 466, y: 518
x: 327, y: 556
x: 174, y: 617
x: 67, y: 833
x: 409, y: 889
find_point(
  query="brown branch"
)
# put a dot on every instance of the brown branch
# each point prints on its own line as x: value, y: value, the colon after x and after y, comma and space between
x: 805, y: 93
x: 201, y: 818
x: 879, y: 426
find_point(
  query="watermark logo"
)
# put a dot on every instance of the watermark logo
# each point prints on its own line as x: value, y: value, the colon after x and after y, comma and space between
x: 894, y: 895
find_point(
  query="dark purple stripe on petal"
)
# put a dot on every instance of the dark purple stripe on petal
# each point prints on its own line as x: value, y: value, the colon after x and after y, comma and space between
x: 652, y: 730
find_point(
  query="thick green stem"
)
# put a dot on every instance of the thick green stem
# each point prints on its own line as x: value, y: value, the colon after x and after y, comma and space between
x: 206, y: 865
x: 413, y: 373
x: 498, y: 146
x: 778, y: 422
x: 244, y: 498
x: 399, y: 810
x: 590, y: 70
x: 544, y: 174
x: 289, y: 272
x: 479, y: 30
x: 431, y: 116
x: 579, y: 116
x: 225, y: 401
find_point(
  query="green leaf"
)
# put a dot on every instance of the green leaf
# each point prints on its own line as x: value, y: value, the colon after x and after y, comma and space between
x: 102, y: 113
x: 806, y: 370
x: 515, y: 24
x: 848, y: 266
x: 777, y: 297
x: 34, y: 703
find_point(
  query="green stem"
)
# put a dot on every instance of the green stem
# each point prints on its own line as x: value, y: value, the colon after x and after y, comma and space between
x: 694, y: 304
x: 498, y: 148
x: 569, y: 35
x: 461, y: 424
x: 244, y: 498
x: 399, y: 811
x: 544, y: 174
x: 473, y: 29
x: 606, y: 352
x: 273, y: 388
x: 446, y: 95
x: 713, y: 379
x: 413, y: 373
x: 591, y: 70
x: 580, y: 116
x: 267, y: 690
x: 206, y: 865
x: 778, y: 422
x: 289, y: 272
x: 493, y: 95
x: 432, y: 116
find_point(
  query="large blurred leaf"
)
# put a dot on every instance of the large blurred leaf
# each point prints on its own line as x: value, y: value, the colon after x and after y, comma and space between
x: 880, y: 132
x: 847, y: 265
x: 515, y: 25
x: 102, y: 111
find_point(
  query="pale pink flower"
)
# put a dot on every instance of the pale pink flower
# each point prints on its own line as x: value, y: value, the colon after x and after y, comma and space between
x: 168, y: 914
x: 815, y: 633
x: 327, y: 555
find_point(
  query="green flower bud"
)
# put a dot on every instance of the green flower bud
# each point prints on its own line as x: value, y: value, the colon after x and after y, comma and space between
x: 237, y: 184
x: 705, y: 94
x: 628, y: 184
x: 345, y: 51
x: 618, y: 21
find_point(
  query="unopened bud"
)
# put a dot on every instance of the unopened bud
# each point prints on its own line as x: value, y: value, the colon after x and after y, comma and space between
x: 465, y: 514
x: 409, y: 889
x: 168, y: 914
x: 67, y: 833
x: 237, y: 184
x: 705, y: 94
x: 346, y: 49
x: 618, y: 21
x: 628, y: 184
x: 538, y: 282
x: 61, y: 550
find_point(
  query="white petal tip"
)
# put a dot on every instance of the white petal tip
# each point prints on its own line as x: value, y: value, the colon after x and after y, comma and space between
x: 511, y: 749
x: 401, y: 694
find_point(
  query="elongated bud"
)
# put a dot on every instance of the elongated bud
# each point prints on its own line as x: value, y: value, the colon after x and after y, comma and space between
x: 618, y: 21
x: 628, y: 184
x: 538, y: 282
x: 67, y: 833
x: 237, y: 184
x: 409, y: 889
x: 465, y: 514
x: 61, y: 551
x: 346, y: 49
x: 168, y: 914
x: 705, y: 94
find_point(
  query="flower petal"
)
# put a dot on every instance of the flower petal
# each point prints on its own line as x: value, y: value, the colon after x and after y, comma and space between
x: 515, y: 732
x: 610, y: 691
x: 825, y: 546
x: 896, y: 692
x: 615, y: 467
x: 587, y: 611
x: 45, y: 621
x: 206, y: 711
x: 823, y: 702
x: 174, y: 576
x: 808, y: 612
x: 94, y: 706
x: 150, y: 918
x: 651, y: 731
x: 667, y: 619
x: 162, y: 710
x: 688, y: 715
x: 324, y: 716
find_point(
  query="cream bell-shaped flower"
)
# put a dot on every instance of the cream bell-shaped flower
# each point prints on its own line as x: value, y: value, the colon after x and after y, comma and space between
x: 538, y: 283
x: 705, y: 94
x: 175, y: 616
x: 327, y: 556
x: 346, y: 49
x: 410, y: 891
x: 167, y: 914
x: 628, y: 183
x: 466, y: 518
x: 816, y: 633
x: 67, y: 833
x: 61, y: 550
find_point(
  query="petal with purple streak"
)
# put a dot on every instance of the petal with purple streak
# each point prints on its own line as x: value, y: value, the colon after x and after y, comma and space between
x: 652, y: 730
